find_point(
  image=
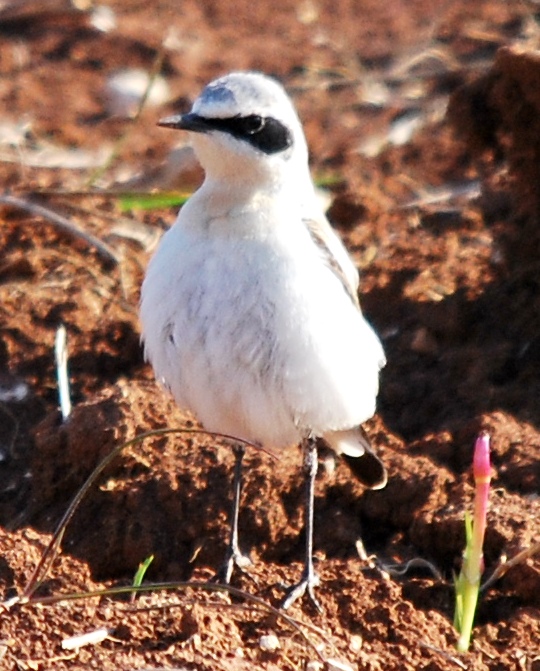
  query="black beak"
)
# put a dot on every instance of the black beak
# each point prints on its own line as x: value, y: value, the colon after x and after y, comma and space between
x: 190, y: 121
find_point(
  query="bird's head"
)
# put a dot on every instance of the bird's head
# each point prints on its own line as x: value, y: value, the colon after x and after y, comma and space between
x: 246, y: 129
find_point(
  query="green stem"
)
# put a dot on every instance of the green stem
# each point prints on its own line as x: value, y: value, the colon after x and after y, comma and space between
x: 468, y: 583
x: 468, y: 598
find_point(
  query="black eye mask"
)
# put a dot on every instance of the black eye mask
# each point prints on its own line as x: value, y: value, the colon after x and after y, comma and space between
x: 264, y: 133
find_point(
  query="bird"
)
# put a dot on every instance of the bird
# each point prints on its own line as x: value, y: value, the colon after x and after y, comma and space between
x: 249, y: 307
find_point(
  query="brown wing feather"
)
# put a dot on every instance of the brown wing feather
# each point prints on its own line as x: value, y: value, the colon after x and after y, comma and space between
x: 324, y: 237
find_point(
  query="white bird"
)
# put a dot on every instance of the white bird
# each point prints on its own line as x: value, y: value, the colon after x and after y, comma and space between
x: 249, y: 308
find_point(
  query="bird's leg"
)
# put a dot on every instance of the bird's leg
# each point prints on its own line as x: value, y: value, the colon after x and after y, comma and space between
x: 309, y: 579
x: 233, y: 556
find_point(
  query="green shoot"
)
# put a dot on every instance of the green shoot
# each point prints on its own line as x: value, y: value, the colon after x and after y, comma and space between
x: 328, y: 180
x: 161, y: 199
x: 140, y: 573
x: 468, y: 582
x: 152, y: 201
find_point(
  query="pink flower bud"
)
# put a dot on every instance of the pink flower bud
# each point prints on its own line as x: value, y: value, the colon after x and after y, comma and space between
x: 481, y: 463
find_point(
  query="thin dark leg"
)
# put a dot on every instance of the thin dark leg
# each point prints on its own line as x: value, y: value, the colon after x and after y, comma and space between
x: 233, y: 556
x: 309, y: 579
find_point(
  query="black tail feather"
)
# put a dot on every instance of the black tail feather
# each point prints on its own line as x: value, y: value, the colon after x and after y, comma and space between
x: 368, y: 468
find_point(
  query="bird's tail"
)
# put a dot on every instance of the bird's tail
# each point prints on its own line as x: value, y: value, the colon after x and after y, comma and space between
x: 354, y: 446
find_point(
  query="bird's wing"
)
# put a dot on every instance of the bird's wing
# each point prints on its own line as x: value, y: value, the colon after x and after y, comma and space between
x: 335, y: 255
x: 352, y: 444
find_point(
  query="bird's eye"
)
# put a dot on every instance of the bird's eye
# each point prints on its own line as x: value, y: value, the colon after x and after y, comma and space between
x: 252, y: 124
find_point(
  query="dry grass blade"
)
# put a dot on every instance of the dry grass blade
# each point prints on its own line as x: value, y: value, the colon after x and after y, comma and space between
x: 42, y: 569
x: 61, y: 356
x: 451, y: 658
x: 503, y: 568
x: 296, y: 624
x: 156, y: 67
x: 398, y: 570
x: 61, y: 223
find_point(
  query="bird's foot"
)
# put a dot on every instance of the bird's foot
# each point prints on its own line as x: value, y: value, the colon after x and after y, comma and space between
x: 308, y: 582
x: 233, y: 557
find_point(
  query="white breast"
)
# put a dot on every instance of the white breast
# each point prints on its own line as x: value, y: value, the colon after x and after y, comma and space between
x: 254, y: 334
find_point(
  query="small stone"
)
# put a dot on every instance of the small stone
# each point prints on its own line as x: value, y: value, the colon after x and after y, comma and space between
x: 338, y: 666
x: 269, y: 643
x: 356, y: 642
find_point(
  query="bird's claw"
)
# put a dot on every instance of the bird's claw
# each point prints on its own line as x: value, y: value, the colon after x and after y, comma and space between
x: 233, y: 558
x: 307, y: 583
